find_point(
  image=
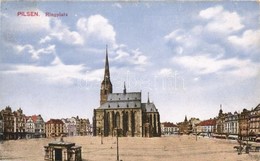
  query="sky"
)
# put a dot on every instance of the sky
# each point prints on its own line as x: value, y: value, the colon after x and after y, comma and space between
x: 190, y: 56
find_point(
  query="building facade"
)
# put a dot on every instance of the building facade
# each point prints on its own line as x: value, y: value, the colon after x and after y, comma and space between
x: 82, y: 130
x: 39, y: 125
x: 76, y: 126
x: 193, y: 122
x: 206, y: 127
x: 13, y: 124
x: 35, y: 127
x: 231, y: 125
x: 1, y: 128
x: 254, y: 123
x: 184, y: 127
x: 70, y: 126
x: 220, y: 123
x: 168, y: 128
x: 54, y: 128
x: 29, y: 127
x: 19, y: 124
x: 89, y: 129
x: 244, y: 124
x: 124, y: 112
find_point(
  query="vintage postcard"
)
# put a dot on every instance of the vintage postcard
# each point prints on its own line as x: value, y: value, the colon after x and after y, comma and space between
x: 129, y: 80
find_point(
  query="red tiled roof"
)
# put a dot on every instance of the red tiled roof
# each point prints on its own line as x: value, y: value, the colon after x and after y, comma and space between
x: 54, y: 121
x: 34, y: 118
x: 169, y: 124
x: 210, y: 122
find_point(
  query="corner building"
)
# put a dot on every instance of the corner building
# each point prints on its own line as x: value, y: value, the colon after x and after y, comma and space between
x: 124, y: 112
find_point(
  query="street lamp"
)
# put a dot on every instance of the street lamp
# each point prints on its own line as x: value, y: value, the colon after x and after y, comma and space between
x: 196, y: 133
x: 117, y: 146
x: 101, y: 133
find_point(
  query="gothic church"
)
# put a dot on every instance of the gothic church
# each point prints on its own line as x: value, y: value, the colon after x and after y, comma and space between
x: 124, y: 112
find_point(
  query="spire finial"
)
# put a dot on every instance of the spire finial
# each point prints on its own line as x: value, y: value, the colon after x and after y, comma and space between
x: 124, y: 88
x: 148, y: 101
x: 221, y: 106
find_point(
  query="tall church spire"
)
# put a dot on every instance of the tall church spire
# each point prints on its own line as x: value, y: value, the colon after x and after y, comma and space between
x: 106, y: 85
x: 107, y: 73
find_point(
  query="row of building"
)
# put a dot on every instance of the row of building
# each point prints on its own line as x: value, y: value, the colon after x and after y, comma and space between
x: 16, y: 125
x: 226, y: 125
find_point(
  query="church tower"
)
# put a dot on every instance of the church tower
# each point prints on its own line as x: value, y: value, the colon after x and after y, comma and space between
x: 106, y: 85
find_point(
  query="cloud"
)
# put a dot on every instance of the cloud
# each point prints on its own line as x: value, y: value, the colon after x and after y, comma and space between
x: 192, y: 42
x: 220, y: 20
x: 181, y: 39
x: 90, y: 32
x: 216, y: 47
x: 249, y: 41
x: 61, y: 32
x: 97, y: 27
x: 45, y: 39
x: 210, y: 13
x: 57, y: 72
x: 204, y: 64
x: 124, y: 56
x: 139, y: 58
x: 53, y: 28
x: 26, y: 24
x: 35, y: 53
x: 121, y: 54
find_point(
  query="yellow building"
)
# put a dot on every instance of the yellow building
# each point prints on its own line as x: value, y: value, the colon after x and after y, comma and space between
x: 54, y: 127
